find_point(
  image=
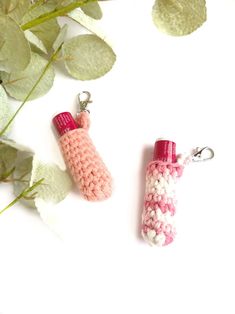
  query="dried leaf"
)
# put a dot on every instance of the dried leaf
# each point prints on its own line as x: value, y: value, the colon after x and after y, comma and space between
x: 87, y: 57
x: 14, y: 48
x: 18, y: 84
x: 179, y: 17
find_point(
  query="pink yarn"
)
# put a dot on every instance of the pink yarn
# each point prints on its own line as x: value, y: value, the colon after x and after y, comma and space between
x: 159, y: 205
x: 85, y: 164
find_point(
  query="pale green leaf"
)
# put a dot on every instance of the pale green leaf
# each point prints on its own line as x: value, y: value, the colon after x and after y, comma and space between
x: 63, y: 3
x: 14, y: 48
x: 48, y: 31
x: 61, y: 37
x: 56, y: 184
x: 9, y: 142
x: 38, y: 10
x: 90, y: 24
x: 21, y: 179
x: 87, y: 57
x: 5, y: 109
x: 93, y: 10
x: 7, y: 159
x: 18, y: 84
x: 179, y: 17
x: 10, y: 152
x: 35, y: 41
x: 14, y: 8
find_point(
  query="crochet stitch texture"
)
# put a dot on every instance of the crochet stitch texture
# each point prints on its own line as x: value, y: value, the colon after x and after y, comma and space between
x: 85, y: 164
x: 158, y: 227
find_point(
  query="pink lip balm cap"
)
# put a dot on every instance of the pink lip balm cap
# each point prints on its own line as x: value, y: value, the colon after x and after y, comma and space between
x: 64, y: 122
x: 165, y: 151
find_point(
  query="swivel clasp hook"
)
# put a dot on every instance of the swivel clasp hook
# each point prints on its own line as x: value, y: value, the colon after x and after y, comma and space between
x: 84, y: 98
x: 203, y: 154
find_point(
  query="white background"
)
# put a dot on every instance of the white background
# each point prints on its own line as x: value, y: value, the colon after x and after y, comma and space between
x: 161, y: 86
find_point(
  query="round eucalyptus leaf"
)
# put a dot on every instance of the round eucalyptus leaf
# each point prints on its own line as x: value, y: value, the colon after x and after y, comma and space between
x: 19, y: 84
x: 14, y: 48
x: 87, y: 57
x: 179, y: 17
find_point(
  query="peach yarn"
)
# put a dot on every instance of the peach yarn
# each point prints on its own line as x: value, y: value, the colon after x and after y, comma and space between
x: 85, y: 164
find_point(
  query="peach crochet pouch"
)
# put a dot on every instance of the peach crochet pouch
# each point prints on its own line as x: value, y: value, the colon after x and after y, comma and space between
x: 81, y: 157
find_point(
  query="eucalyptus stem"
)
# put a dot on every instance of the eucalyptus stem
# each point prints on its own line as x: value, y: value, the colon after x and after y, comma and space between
x: 51, y: 15
x: 23, y: 194
x: 52, y: 58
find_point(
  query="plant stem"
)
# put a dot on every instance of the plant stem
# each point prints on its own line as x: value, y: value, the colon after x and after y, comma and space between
x: 22, y: 195
x: 31, y: 91
x: 51, y: 15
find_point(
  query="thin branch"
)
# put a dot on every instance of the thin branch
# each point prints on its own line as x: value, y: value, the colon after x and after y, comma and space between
x: 51, y: 15
x: 31, y: 91
x: 23, y: 194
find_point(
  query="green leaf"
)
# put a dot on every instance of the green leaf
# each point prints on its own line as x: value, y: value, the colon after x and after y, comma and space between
x: 35, y: 41
x: 18, y: 84
x: 87, y: 57
x: 21, y: 179
x: 5, y: 109
x: 7, y: 158
x: 48, y: 31
x: 14, y: 8
x: 179, y: 17
x: 93, y: 10
x: 56, y: 184
x: 61, y: 37
x: 10, y: 151
x: 9, y: 142
x: 90, y: 24
x: 14, y: 48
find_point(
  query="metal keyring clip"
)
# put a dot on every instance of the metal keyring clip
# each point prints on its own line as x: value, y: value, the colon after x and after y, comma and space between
x: 83, y: 103
x: 203, y: 154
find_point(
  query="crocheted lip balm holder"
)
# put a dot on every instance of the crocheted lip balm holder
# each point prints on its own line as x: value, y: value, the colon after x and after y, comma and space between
x: 83, y: 161
x: 158, y: 216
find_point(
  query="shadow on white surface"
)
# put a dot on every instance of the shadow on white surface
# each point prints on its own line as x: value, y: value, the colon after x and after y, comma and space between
x: 147, y: 156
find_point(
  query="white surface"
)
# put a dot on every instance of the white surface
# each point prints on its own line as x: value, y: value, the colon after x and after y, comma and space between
x: 181, y: 88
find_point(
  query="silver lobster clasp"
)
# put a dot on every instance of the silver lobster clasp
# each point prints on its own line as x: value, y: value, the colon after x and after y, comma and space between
x: 203, y: 154
x: 84, y: 98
